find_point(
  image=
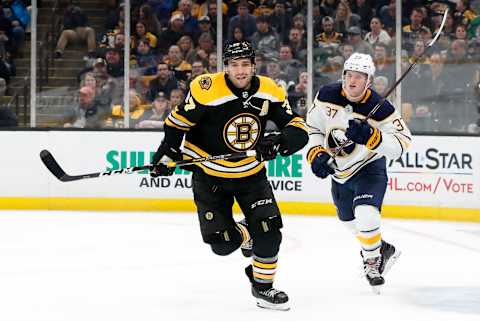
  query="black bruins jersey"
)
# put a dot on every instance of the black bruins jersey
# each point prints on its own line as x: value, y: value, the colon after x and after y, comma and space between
x: 218, y: 118
x: 328, y: 119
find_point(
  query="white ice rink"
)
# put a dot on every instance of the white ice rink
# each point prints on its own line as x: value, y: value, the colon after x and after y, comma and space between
x: 148, y: 266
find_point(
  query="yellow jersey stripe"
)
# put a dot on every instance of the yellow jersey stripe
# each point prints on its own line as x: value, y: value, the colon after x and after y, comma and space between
x: 168, y: 122
x: 181, y: 118
x: 217, y: 173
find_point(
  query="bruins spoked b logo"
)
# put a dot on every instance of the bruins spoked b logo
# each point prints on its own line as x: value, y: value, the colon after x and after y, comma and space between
x: 241, y: 132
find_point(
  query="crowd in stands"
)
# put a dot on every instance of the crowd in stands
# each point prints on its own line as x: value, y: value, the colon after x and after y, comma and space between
x: 173, y: 41
x: 14, y: 26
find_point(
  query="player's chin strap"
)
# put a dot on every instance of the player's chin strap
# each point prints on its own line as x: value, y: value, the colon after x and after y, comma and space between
x: 52, y: 165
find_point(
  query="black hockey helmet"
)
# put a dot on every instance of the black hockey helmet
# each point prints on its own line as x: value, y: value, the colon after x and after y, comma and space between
x: 237, y: 50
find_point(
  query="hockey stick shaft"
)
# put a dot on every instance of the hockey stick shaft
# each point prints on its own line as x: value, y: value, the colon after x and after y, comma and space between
x: 392, y: 88
x: 52, y: 165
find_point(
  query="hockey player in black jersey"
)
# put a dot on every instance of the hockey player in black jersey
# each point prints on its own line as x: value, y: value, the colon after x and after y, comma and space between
x: 223, y: 113
x: 359, y: 179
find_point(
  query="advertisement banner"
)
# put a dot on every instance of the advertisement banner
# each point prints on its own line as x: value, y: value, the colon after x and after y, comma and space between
x: 436, y: 172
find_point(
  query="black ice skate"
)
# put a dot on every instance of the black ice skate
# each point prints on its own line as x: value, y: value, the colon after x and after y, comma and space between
x: 247, y: 247
x: 389, y: 256
x: 371, y: 268
x: 267, y: 298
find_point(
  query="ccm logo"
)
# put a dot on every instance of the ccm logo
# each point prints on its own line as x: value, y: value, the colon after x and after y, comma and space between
x: 262, y: 202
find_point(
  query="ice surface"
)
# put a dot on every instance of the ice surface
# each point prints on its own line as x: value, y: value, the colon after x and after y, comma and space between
x: 82, y: 266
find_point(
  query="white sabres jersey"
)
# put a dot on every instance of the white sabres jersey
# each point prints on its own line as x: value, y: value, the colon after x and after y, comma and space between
x: 328, y: 118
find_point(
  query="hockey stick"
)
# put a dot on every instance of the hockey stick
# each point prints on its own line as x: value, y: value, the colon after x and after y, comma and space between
x: 53, y: 166
x: 382, y: 100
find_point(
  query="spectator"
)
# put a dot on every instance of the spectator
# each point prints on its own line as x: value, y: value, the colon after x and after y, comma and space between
x: 377, y: 34
x: 151, y: 21
x: 185, y: 43
x: 142, y: 33
x: 281, y: 20
x: 198, y: 68
x: 155, y: 117
x: 346, y: 50
x: 355, y: 39
x: 19, y: 19
x: 364, y: 10
x: 298, y: 22
x: 288, y: 64
x: 162, y: 9
x: 212, y: 13
x: 464, y: 14
x: 297, y: 43
x: 411, y: 32
x: 265, y: 40
x: 144, y: 59
x: 243, y: 19
x: 90, y: 82
x: 190, y: 23
x: 461, y: 32
x: 212, y: 63
x: 205, y: 47
x: 136, y: 112
x: 7, y: 67
x: 274, y: 71
x: 173, y: 33
x: 383, y: 64
x: 344, y: 18
x: 75, y: 27
x: 163, y: 82
x: 297, y: 94
x: 328, y: 7
x: 114, y: 60
x: 85, y: 114
x: 380, y: 85
x: 114, y: 16
x: 8, y: 117
x: 329, y: 35
x: 418, y: 51
x: 238, y: 34
x: 177, y: 64
x: 204, y: 26
x: 176, y: 97
x: 387, y: 15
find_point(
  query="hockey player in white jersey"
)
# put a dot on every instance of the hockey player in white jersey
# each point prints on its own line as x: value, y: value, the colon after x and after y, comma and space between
x: 359, y: 178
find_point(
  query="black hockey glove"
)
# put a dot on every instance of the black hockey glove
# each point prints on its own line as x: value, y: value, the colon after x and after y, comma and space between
x: 320, y: 165
x: 164, y: 155
x: 361, y: 132
x: 268, y: 147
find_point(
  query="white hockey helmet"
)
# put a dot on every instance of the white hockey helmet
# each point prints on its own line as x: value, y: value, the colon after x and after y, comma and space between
x: 361, y: 63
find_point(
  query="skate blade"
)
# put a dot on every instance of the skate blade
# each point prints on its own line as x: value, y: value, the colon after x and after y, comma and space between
x: 391, y: 262
x: 377, y: 289
x: 267, y: 305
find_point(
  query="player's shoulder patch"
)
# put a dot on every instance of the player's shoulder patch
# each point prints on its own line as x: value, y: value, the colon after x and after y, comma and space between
x: 271, y: 90
x: 210, y: 89
x: 205, y: 82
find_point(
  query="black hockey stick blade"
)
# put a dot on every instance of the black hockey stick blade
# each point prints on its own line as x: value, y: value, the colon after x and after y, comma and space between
x: 52, y: 165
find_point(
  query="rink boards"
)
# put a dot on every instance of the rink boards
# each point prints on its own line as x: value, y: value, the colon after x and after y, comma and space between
x: 438, y: 178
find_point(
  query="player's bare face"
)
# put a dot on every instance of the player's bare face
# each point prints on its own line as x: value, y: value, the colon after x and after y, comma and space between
x: 355, y: 83
x: 240, y: 72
